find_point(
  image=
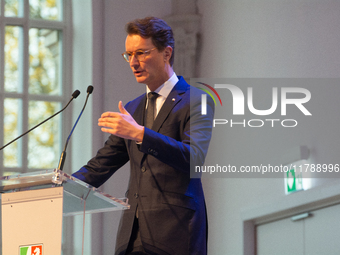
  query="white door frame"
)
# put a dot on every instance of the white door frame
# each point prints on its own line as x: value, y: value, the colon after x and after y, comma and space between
x: 290, y: 205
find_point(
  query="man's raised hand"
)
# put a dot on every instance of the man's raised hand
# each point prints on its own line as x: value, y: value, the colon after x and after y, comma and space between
x: 121, y: 124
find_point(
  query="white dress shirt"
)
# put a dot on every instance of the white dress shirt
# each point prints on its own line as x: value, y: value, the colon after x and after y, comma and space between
x: 163, y: 91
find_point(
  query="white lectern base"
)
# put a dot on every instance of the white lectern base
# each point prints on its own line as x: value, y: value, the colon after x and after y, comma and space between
x: 32, y: 219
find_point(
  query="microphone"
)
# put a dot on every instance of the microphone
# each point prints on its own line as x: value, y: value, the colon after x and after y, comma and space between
x: 63, y: 154
x: 74, y: 95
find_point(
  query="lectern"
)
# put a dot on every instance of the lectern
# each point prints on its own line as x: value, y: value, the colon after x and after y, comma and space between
x: 33, y: 206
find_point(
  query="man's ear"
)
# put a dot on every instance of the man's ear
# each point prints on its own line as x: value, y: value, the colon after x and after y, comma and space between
x: 167, y: 53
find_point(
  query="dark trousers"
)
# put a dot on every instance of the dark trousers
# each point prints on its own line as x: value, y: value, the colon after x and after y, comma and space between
x: 135, y: 246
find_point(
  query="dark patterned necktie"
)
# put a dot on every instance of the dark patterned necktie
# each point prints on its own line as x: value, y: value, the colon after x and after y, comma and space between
x: 150, y: 112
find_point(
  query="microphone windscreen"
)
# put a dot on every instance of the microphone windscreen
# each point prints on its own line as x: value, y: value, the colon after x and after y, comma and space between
x: 75, y: 93
x: 89, y: 89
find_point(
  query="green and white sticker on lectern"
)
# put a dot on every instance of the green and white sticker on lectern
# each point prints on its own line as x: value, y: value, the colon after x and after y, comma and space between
x: 36, y: 249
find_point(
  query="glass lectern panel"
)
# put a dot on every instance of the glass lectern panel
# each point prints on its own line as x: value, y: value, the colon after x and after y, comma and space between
x: 78, y: 195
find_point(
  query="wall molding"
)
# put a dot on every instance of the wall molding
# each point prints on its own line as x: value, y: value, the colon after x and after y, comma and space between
x: 186, y: 33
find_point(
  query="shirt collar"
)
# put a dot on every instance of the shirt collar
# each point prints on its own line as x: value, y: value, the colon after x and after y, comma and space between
x: 165, y: 89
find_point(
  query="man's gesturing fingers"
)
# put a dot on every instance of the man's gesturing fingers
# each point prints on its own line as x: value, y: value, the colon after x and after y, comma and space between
x: 121, y: 124
x: 122, y: 109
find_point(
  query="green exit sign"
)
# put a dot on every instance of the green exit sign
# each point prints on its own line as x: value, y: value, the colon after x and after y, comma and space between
x: 293, y: 181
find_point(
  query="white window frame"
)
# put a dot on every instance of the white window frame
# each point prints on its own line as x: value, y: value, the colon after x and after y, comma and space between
x: 65, y: 26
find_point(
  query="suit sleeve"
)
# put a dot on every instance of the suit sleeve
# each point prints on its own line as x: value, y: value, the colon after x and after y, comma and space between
x: 191, y: 147
x: 107, y: 161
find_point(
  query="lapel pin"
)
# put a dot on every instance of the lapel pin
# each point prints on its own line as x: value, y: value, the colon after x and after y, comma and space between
x: 173, y: 99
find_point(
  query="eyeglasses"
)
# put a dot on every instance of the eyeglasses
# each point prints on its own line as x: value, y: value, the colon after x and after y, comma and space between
x: 140, y: 55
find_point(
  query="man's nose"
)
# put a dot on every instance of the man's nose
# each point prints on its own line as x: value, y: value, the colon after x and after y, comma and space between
x: 134, y: 61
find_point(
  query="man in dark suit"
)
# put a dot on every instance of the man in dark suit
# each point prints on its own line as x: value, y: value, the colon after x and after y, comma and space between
x: 164, y: 136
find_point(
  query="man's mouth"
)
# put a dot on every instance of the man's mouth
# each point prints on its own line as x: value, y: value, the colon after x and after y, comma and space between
x: 138, y: 73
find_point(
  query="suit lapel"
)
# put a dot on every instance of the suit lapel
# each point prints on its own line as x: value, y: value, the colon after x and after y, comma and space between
x: 173, y: 98
x: 138, y: 115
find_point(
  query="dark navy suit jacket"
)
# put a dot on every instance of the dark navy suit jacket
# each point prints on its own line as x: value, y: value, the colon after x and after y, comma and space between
x: 171, y: 207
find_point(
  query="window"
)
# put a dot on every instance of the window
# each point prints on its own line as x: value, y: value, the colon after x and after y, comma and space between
x: 33, y: 82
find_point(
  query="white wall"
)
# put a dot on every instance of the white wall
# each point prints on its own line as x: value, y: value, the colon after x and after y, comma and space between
x: 82, y: 137
x: 269, y: 38
x: 277, y: 39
